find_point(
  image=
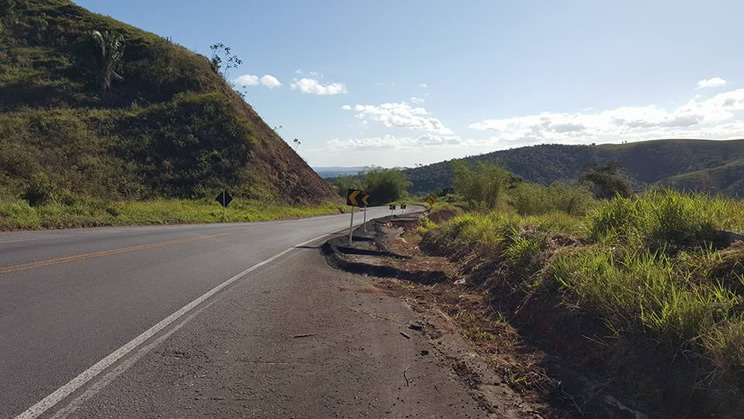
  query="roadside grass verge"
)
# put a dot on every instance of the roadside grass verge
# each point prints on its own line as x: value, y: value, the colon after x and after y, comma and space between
x: 650, y: 269
x: 90, y: 212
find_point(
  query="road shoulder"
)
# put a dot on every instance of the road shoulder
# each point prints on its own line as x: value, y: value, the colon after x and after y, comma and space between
x: 300, y: 339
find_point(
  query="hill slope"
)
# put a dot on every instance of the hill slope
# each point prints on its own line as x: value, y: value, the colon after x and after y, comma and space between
x: 714, y: 166
x: 170, y: 127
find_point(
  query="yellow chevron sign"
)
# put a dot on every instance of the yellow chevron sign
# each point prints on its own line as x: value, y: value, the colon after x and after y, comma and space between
x: 431, y: 199
x: 357, y: 198
x: 351, y: 197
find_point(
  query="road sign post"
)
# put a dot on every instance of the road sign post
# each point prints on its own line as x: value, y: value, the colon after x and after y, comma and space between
x: 224, y: 199
x: 365, y: 219
x: 351, y: 227
x: 224, y: 207
x: 356, y: 198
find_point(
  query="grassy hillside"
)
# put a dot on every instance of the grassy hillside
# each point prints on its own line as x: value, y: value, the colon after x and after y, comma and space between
x: 687, y: 164
x: 170, y: 127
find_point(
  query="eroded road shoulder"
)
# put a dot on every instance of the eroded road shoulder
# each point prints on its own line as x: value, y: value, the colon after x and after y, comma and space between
x: 299, y: 339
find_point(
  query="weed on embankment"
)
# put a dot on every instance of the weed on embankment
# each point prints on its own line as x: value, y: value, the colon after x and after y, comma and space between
x: 90, y: 212
x: 654, y: 278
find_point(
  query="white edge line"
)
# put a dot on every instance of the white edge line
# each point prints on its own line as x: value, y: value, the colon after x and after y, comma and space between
x: 76, y: 383
x: 107, y: 378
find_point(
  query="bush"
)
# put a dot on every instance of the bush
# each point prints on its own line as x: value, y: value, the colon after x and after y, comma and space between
x: 535, y: 199
x: 484, y: 187
x: 40, y: 190
x: 385, y: 185
x: 342, y: 184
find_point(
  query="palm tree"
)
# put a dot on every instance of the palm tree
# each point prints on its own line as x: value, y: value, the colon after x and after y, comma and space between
x: 297, y: 143
x: 109, y: 48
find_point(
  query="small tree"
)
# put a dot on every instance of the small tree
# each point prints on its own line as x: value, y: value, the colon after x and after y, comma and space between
x: 483, y: 187
x: 109, y: 51
x: 223, y: 60
x: 386, y: 185
x: 342, y: 184
x: 607, y: 180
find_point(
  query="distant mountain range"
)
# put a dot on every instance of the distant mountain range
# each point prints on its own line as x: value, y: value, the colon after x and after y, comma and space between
x: 336, y: 171
x: 701, y: 165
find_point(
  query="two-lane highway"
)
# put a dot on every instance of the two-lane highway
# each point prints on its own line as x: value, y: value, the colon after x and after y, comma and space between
x: 71, y: 298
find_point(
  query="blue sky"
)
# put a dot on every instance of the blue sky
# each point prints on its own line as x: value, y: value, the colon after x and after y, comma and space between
x: 400, y: 83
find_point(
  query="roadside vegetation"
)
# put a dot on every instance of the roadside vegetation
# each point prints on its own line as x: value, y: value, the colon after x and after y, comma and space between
x: 102, y: 123
x: 91, y: 212
x: 654, y: 280
x: 383, y: 185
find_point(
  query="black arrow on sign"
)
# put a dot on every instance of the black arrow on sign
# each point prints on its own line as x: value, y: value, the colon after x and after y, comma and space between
x: 224, y: 198
x: 352, y: 197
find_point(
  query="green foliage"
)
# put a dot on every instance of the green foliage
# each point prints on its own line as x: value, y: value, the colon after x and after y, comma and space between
x: 385, y: 185
x: 661, y: 218
x: 646, y: 268
x: 40, y: 190
x: 607, y: 180
x: 712, y: 166
x: 342, y: 184
x: 223, y: 60
x: 83, y: 211
x: 522, y: 252
x: 532, y: 198
x: 170, y: 128
x: 109, y: 51
x: 483, y: 187
x: 642, y: 292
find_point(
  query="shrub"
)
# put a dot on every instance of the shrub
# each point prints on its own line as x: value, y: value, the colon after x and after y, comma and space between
x: 535, y: 199
x: 484, y: 187
x: 40, y: 190
x: 386, y: 185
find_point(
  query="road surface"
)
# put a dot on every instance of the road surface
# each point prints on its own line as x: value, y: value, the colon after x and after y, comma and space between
x: 72, y: 299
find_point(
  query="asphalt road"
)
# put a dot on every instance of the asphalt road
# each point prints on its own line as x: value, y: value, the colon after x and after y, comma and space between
x: 71, y: 298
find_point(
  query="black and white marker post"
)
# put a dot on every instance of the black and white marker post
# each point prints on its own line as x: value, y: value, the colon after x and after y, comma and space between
x: 365, y: 219
x: 351, y: 226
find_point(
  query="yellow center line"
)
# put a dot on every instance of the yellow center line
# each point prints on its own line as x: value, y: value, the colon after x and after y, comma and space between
x: 56, y: 261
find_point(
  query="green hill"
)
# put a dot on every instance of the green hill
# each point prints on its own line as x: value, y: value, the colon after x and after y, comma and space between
x: 702, y: 165
x: 170, y: 126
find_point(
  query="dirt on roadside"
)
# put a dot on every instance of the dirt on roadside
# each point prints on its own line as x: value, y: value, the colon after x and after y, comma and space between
x: 436, y: 288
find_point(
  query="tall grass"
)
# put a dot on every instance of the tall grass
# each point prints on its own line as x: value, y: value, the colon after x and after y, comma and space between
x: 665, y: 217
x: 642, y: 292
x: 535, y: 199
x: 91, y: 212
x: 645, y: 265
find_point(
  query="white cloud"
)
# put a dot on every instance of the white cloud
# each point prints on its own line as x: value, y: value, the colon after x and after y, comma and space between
x: 402, y: 115
x: 416, y: 100
x: 390, y: 142
x: 713, y: 82
x: 346, y: 107
x: 270, y: 81
x: 314, y: 87
x: 424, y: 85
x: 696, y: 118
x: 250, y: 80
x: 247, y: 80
